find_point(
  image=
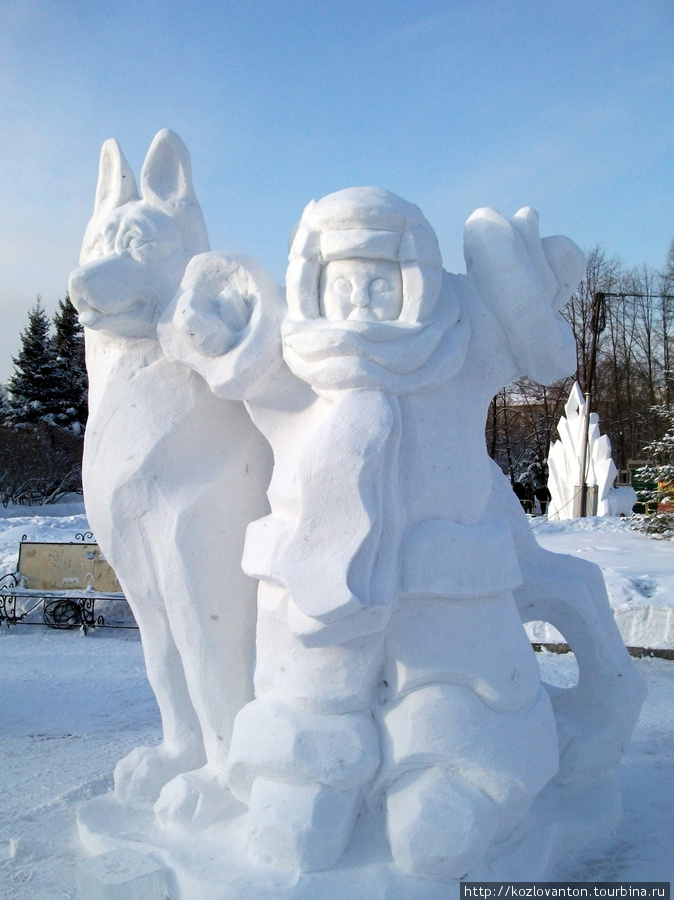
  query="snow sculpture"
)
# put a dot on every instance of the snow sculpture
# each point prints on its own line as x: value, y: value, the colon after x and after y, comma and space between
x: 395, y: 692
x: 369, y: 600
x: 565, y: 460
x: 172, y: 476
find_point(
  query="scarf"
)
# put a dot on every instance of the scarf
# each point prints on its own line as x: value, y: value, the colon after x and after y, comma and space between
x: 342, y: 560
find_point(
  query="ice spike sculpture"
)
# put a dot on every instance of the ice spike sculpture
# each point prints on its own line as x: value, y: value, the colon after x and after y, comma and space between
x: 565, y: 461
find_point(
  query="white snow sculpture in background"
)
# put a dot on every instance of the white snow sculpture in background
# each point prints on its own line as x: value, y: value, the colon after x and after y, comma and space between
x: 172, y: 476
x: 565, y: 461
x: 392, y: 664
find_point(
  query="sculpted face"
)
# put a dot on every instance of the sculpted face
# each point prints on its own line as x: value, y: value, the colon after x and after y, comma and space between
x: 134, y: 262
x: 368, y: 290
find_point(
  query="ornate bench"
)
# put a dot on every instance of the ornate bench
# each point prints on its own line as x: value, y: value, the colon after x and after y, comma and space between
x: 66, y: 580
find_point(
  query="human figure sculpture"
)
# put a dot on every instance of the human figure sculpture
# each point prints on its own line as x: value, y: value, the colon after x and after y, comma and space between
x: 390, y: 665
x: 172, y: 477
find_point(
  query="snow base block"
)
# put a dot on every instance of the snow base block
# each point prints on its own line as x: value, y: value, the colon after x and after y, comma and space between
x: 215, y: 865
x: 121, y: 874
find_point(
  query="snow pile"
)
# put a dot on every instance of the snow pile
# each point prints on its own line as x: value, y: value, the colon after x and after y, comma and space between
x: 61, y: 521
x: 638, y: 571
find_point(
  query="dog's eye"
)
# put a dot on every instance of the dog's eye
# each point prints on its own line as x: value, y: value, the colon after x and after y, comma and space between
x: 97, y: 249
x: 131, y: 240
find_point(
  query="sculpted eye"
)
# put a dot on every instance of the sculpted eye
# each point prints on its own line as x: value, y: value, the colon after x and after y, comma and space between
x: 380, y: 286
x: 97, y: 249
x: 131, y: 240
x: 341, y: 285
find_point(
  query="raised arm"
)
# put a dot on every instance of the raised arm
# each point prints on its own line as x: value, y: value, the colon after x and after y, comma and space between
x: 525, y: 281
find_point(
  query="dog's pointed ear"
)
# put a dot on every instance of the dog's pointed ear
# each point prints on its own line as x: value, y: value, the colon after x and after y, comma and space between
x: 116, y: 184
x: 166, y: 184
x: 166, y: 176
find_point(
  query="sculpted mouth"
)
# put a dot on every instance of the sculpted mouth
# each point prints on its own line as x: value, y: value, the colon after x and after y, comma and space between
x: 133, y: 320
x: 88, y: 315
x: 85, y: 309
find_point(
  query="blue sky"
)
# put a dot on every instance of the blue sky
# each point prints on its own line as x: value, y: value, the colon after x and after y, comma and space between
x: 563, y: 105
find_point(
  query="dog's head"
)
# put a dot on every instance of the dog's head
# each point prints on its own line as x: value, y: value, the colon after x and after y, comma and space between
x: 136, y: 248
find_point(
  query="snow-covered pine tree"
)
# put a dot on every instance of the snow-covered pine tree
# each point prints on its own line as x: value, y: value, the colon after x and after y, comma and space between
x: 661, y: 452
x: 41, y: 419
x: 660, y: 471
x: 4, y: 405
x: 35, y: 386
x: 69, y: 344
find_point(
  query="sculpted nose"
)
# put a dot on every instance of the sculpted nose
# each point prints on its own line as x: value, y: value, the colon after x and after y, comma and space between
x: 360, y: 297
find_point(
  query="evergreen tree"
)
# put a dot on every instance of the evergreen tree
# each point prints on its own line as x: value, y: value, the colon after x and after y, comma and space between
x: 661, y: 452
x: 4, y: 405
x: 35, y: 384
x: 73, y: 387
x: 661, y: 472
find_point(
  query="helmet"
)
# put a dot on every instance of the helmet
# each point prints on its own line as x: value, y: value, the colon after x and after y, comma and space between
x: 364, y: 223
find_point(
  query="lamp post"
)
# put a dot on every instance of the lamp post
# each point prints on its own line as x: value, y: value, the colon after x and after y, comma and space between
x: 597, y: 326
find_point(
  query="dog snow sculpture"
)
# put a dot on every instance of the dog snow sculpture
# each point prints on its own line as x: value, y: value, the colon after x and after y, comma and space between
x: 172, y: 477
x: 392, y: 664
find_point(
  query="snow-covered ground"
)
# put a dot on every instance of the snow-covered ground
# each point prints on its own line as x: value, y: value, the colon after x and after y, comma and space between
x: 638, y: 571
x: 72, y: 705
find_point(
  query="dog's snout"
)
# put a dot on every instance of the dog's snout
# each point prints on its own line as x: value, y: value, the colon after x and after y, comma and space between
x: 76, y: 287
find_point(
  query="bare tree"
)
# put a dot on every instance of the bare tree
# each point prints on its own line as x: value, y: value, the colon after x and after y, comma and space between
x: 634, y: 374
